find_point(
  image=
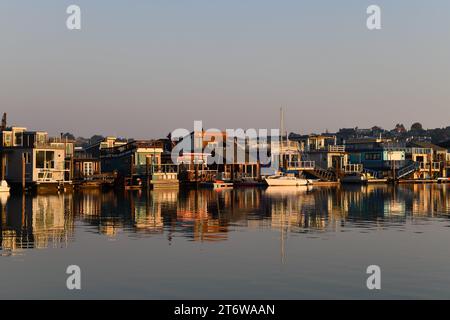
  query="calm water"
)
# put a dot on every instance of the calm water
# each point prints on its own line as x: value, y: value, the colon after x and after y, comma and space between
x: 231, y: 244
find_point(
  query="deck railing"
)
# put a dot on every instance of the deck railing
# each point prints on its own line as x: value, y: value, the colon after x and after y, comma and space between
x: 353, y: 168
x: 336, y: 148
x: 49, y: 145
x: 409, y: 150
x: 301, y: 165
x: 46, y: 175
x: 428, y: 165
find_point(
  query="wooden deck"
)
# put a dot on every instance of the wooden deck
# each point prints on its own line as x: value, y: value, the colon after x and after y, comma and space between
x: 325, y: 183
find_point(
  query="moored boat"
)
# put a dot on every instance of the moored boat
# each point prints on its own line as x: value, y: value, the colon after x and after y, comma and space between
x: 355, y: 177
x: 4, y: 186
x: 286, y: 181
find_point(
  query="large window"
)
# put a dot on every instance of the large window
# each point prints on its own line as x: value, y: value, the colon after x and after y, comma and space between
x: 45, y: 159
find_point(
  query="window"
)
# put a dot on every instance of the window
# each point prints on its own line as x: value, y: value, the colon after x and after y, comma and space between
x: 18, y: 138
x: 40, y: 159
x: 45, y: 159
x: 373, y: 156
x: 40, y: 137
x: 88, y: 169
x: 27, y: 157
x: 50, y: 159
x: 7, y: 139
x: 69, y: 149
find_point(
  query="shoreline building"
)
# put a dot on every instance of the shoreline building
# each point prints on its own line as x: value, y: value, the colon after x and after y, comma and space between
x: 320, y: 156
x: 206, y: 156
x: 31, y: 159
x: 138, y: 164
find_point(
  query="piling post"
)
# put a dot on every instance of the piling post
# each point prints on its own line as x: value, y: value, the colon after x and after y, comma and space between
x: 147, y: 169
x: 258, y: 170
x: 3, y: 171
x: 23, y: 171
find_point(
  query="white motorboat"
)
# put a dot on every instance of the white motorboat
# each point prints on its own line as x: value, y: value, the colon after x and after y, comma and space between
x: 286, y: 181
x: 4, y: 186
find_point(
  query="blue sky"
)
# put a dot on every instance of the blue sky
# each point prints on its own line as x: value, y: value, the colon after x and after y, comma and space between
x: 144, y: 68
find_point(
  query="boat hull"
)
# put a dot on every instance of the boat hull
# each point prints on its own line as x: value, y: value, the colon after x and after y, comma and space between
x: 221, y: 185
x: 286, y: 182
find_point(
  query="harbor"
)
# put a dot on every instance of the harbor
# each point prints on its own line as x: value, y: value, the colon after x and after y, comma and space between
x: 33, y: 161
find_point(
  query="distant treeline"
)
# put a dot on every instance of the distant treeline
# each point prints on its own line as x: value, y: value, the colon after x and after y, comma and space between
x: 437, y: 135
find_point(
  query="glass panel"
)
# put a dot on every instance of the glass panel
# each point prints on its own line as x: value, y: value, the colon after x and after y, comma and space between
x: 41, y: 138
x: 88, y: 169
x: 18, y: 138
x: 7, y: 139
x: 50, y: 159
x: 40, y: 159
x: 27, y: 157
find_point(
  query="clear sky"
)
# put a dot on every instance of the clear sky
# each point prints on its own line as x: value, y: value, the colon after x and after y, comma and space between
x: 143, y: 68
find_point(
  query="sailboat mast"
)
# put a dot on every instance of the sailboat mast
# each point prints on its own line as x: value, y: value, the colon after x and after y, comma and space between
x: 281, y: 136
x: 281, y: 124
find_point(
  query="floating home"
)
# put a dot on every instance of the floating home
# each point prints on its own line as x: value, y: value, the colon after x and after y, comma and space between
x: 204, y: 158
x: 446, y: 145
x: 87, y: 174
x: 29, y: 159
x: 138, y: 164
x: 432, y: 159
x: 411, y: 161
x: 319, y: 157
x: 376, y: 154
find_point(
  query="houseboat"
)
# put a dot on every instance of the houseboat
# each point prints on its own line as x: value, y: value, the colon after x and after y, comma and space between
x: 30, y: 160
x: 137, y: 164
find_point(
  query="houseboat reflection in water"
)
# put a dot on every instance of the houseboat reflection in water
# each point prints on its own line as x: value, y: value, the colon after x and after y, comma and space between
x: 49, y: 221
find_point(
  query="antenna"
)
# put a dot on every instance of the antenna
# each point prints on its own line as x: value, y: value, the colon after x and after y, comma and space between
x: 281, y: 124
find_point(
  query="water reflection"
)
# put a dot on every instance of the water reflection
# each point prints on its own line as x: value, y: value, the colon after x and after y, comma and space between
x: 35, y: 222
x: 44, y: 221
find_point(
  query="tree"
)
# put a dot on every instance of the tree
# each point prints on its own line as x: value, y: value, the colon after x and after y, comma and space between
x: 399, y: 128
x: 96, y: 138
x: 417, y: 126
x: 69, y: 136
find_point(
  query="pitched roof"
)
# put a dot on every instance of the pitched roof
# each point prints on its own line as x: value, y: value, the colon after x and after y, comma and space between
x: 424, y: 144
